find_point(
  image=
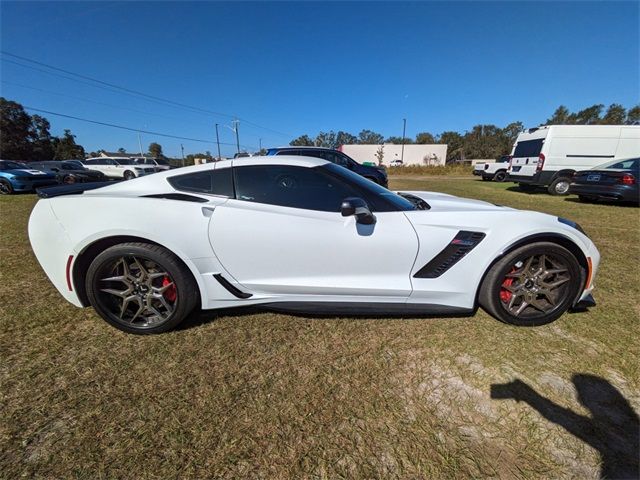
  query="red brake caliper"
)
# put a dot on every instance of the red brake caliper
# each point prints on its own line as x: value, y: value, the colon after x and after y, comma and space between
x: 169, y: 293
x: 505, y: 295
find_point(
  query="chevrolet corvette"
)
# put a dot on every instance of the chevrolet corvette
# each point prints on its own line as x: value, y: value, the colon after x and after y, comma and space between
x: 302, y: 235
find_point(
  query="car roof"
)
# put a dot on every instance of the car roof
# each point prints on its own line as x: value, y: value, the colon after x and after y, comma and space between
x: 302, y: 147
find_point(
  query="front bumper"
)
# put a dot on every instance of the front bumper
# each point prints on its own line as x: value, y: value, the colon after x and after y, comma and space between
x: 478, y: 172
x: 585, y: 303
x: 31, y: 185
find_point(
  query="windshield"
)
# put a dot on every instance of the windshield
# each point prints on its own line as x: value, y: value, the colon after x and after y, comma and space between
x: 71, y: 166
x: 124, y: 161
x: 161, y: 161
x: 628, y: 164
x: 371, y: 188
x: 5, y: 165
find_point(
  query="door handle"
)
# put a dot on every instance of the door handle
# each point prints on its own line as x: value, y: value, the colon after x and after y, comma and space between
x: 208, y: 211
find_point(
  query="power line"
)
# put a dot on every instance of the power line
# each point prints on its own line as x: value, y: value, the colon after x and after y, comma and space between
x: 87, y: 100
x: 123, y: 127
x: 138, y: 93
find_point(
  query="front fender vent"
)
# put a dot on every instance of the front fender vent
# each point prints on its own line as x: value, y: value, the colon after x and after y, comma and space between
x: 462, y: 243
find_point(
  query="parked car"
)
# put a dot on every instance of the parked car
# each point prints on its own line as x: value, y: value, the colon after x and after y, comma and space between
x: 373, y: 173
x: 396, y: 163
x: 549, y: 156
x: 18, y: 177
x: 496, y: 171
x: 119, y: 167
x: 160, y: 164
x: 302, y: 235
x: 617, y: 180
x: 69, y: 172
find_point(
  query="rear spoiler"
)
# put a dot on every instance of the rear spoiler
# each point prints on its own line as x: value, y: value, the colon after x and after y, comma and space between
x: 57, y: 191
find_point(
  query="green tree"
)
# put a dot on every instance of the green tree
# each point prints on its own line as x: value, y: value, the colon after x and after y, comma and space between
x: 15, y: 131
x: 325, y: 139
x: 398, y: 140
x: 561, y: 116
x: 43, y: 144
x: 302, y: 141
x: 589, y: 115
x: 67, y: 148
x: 633, y: 115
x: 344, y: 138
x: 155, y: 150
x: 368, y: 137
x: 425, y: 138
x: 616, y: 114
x: 455, y: 143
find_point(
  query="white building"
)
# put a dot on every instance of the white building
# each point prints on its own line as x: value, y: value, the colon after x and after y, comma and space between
x: 413, y: 154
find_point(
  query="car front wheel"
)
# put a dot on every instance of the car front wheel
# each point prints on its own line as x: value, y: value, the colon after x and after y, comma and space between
x: 500, y: 177
x: 5, y: 187
x: 533, y: 285
x: 141, y: 288
x: 560, y: 186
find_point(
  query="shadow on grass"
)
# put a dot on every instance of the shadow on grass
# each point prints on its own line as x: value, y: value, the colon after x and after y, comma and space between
x: 612, y: 428
x: 202, y: 317
x: 528, y: 191
x: 612, y: 203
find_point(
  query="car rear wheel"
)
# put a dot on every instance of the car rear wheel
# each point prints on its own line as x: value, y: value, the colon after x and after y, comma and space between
x: 560, y: 186
x: 141, y: 288
x: 500, y: 177
x: 5, y: 187
x: 128, y: 175
x: 69, y: 179
x: 533, y: 285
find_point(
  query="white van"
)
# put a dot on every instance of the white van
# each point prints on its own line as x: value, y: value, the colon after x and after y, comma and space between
x: 550, y: 155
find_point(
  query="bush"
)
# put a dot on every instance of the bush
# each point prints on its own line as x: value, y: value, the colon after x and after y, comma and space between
x: 454, y: 169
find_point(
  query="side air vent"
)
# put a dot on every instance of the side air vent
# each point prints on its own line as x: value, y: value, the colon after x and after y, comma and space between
x: 462, y: 243
x: 236, y: 292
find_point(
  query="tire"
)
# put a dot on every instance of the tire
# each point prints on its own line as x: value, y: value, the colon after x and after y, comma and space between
x: 500, y: 176
x: 509, y: 286
x: 129, y: 175
x: 560, y: 186
x: 135, y: 302
x: 525, y: 187
x: 5, y: 187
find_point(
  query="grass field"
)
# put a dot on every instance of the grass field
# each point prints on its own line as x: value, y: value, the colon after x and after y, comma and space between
x: 276, y: 396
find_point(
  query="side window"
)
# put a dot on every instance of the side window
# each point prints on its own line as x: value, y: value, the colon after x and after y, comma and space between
x: 289, y: 152
x: 213, y: 182
x: 291, y: 186
x: 342, y: 160
x: 148, y: 161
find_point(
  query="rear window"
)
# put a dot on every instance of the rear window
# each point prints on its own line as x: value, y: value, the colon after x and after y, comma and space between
x: 214, y: 182
x: 528, y: 148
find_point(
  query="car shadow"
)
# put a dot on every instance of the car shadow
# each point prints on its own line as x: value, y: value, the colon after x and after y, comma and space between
x: 612, y: 426
x: 533, y: 191
x: 612, y: 203
x: 201, y: 317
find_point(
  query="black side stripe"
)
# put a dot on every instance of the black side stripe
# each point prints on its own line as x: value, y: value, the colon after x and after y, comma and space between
x: 230, y: 288
x: 462, y: 243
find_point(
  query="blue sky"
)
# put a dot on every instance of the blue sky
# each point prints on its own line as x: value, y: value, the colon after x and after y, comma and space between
x: 304, y: 67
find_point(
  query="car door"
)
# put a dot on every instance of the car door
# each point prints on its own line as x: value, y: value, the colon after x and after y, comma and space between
x: 284, y: 234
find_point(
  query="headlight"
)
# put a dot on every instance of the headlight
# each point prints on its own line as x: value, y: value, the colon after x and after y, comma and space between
x: 573, y: 224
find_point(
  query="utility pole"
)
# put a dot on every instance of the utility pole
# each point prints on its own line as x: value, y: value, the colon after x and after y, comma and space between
x: 218, y: 142
x: 260, y: 142
x: 140, y: 145
x: 236, y: 123
x: 182, y: 148
x: 404, y: 129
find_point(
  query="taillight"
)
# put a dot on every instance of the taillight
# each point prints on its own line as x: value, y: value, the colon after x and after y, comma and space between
x: 628, y: 179
x: 540, y: 163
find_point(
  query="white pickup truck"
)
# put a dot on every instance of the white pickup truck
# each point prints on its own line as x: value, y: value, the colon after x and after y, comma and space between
x: 496, y: 171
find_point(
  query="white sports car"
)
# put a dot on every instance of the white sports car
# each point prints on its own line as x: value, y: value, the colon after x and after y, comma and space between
x: 302, y: 235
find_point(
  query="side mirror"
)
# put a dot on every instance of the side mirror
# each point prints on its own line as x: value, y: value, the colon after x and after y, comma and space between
x: 358, y: 207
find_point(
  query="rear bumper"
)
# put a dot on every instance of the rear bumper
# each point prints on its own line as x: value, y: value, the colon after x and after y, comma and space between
x: 540, y: 179
x: 629, y: 193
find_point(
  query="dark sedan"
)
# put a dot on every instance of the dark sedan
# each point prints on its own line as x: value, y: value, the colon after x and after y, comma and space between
x: 69, y: 172
x: 617, y: 180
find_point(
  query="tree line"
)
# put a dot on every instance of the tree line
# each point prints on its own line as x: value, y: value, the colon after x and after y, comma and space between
x: 482, y: 141
x: 27, y: 137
